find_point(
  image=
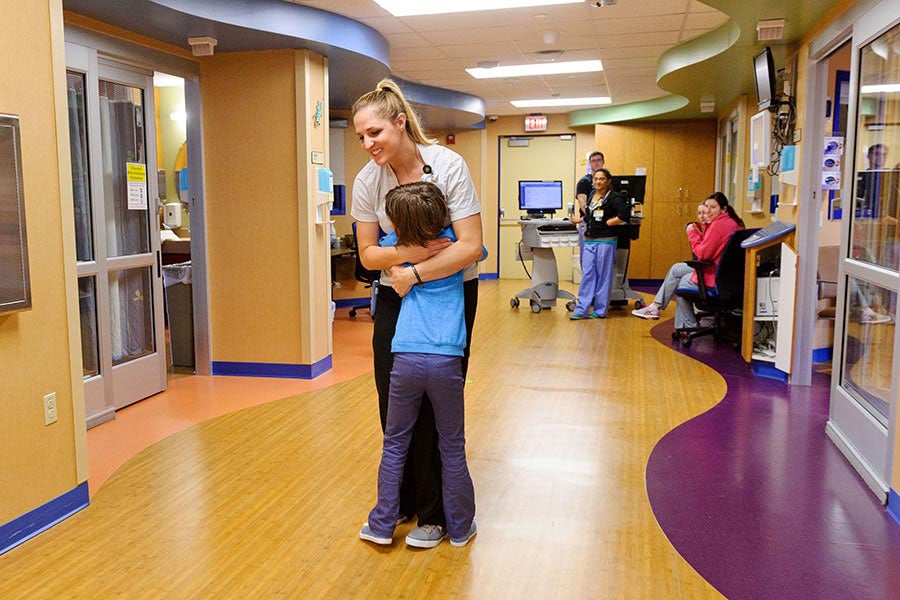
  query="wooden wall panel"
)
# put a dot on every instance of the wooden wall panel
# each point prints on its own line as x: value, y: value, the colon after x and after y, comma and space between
x: 252, y: 213
x: 38, y: 462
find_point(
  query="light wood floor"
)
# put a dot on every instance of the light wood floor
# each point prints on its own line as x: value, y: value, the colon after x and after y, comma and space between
x: 266, y: 502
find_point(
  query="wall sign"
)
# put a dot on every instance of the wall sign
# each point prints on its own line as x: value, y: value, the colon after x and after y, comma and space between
x: 536, y: 123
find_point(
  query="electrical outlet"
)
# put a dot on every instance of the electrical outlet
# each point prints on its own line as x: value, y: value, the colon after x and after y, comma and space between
x: 50, y: 409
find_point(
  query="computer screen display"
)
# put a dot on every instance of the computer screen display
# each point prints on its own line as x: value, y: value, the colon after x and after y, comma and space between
x: 631, y: 186
x: 540, y: 197
x: 764, y: 70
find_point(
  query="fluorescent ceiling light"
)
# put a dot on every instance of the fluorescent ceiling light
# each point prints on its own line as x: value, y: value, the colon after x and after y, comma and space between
x: 406, y: 8
x: 886, y: 88
x: 562, y: 102
x: 554, y: 68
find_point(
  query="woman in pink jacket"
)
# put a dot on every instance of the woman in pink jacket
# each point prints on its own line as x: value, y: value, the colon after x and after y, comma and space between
x: 706, y: 245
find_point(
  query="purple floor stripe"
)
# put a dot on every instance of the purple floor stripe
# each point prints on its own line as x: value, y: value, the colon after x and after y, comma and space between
x: 758, y: 500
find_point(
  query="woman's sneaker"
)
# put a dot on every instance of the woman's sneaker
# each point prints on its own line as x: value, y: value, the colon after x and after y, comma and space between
x: 648, y: 312
x: 459, y: 543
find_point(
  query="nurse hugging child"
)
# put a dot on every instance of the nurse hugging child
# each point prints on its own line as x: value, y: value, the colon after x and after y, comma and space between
x: 427, y: 346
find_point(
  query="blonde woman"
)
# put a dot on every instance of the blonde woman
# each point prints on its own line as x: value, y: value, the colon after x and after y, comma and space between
x: 391, y: 134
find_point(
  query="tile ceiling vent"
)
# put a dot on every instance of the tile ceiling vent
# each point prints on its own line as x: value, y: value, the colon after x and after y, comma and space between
x: 770, y: 31
x: 707, y: 105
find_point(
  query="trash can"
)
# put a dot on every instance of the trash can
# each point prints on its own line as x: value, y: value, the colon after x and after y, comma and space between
x: 180, y: 312
x: 576, y: 268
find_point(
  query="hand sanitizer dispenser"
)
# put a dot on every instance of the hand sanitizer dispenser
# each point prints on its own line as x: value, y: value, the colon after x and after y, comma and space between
x: 324, y: 194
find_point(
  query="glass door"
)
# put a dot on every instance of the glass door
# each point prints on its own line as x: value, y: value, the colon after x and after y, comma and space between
x: 117, y: 232
x: 864, y: 388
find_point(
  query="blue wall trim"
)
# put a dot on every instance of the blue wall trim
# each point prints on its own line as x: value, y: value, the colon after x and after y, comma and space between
x: 43, y: 517
x: 822, y: 355
x: 278, y: 370
x: 488, y: 276
x: 768, y: 371
x: 893, y: 505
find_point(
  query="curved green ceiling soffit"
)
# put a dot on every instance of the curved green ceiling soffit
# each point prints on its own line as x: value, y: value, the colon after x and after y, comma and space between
x: 626, y: 112
x: 718, y: 64
x: 691, y: 52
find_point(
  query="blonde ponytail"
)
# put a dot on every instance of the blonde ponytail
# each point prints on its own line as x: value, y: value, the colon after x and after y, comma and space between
x: 387, y: 101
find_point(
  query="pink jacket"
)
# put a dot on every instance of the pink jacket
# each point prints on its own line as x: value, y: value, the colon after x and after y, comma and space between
x: 710, y: 244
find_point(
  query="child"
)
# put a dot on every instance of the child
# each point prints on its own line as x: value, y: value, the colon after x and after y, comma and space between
x: 427, y: 346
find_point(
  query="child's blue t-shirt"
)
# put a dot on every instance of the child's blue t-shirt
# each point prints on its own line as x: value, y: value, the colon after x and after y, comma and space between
x: 432, y: 316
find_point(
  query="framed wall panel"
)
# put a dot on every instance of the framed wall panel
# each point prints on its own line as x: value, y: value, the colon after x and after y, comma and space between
x: 15, y: 285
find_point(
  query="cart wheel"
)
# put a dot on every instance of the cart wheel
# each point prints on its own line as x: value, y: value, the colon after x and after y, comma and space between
x: 535, y: 307
x: 676, y: 335
x: 686, y: 342
x: 352, y: 313
x: 514, y: 302
x: 570, y: 306
x: 639, y: 304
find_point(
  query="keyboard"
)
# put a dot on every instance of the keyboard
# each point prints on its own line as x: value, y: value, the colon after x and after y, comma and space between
x: 768, y: 233
x: 558, y: 226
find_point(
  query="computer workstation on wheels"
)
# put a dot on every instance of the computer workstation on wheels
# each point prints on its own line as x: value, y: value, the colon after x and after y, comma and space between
x: 541, y: 233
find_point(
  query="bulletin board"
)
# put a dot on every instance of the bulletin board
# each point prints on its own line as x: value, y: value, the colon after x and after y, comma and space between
x: 15, y: 285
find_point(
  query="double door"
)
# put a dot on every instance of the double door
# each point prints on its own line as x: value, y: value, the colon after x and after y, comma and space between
x: 111, y: 127
x: 865, y: 388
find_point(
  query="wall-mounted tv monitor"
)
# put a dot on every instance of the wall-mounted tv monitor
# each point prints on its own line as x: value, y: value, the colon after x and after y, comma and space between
x: 540, y: 197
x: 764, y: 70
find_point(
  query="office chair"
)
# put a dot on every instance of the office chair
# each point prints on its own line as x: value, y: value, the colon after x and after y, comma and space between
x: 368, y: 277
x: 721, y: 300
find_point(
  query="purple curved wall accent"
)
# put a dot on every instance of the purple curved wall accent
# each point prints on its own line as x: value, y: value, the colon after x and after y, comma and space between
x: 757, y: 499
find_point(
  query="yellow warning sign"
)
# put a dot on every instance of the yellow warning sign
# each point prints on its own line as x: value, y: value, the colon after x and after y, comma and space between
x: 137, y: 172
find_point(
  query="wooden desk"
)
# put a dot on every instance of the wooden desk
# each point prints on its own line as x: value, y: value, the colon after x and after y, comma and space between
x: 751, y: 259
x: 336, y: 254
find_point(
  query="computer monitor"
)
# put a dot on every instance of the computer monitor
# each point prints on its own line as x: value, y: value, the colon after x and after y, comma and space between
x: 339, y: 206
x: 764, y: 71
x: 540, y: 197
x: 631, y: 186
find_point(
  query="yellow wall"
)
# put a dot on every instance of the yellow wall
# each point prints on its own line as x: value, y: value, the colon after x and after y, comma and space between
x: 251, y: 202
x: 36, y: 357
x: 172, y: 134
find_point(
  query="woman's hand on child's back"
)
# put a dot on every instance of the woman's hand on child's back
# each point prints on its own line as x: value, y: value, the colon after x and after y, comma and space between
x: 402, y: 279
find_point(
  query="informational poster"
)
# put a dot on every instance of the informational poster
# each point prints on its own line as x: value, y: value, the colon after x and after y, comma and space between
x: 137, y: 186
x: 831, y: 162
x: 834, y: 146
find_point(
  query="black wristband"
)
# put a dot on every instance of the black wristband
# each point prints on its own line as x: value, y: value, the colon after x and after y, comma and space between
x: 416, y: 273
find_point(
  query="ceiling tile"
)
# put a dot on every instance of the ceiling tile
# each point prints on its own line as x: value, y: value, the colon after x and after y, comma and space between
x: 707, y: 20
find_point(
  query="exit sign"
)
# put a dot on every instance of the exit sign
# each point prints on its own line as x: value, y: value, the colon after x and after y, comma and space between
x: 536, y: 123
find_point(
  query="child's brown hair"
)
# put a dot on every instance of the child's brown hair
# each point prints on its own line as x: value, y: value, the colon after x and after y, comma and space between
x: 418, y: 211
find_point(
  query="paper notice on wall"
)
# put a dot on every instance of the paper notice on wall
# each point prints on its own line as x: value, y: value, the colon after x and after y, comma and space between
x: 831, y: 180
x: 834, y: 146
x: 640, y: 171
x: 137, y: 186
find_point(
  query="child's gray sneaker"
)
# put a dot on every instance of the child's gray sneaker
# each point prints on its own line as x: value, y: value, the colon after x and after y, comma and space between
x: 459, y: 543
x: 367, y: 534
x: 426, y: 536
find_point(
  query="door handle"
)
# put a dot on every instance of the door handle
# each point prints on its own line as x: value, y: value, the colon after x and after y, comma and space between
x: 502, y: 212
x: 158, y: 264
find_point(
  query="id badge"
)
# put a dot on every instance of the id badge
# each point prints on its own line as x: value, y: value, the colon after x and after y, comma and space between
x: 597, y: 214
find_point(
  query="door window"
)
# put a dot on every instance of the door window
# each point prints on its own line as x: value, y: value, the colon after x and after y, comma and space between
x: 874, y: 231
